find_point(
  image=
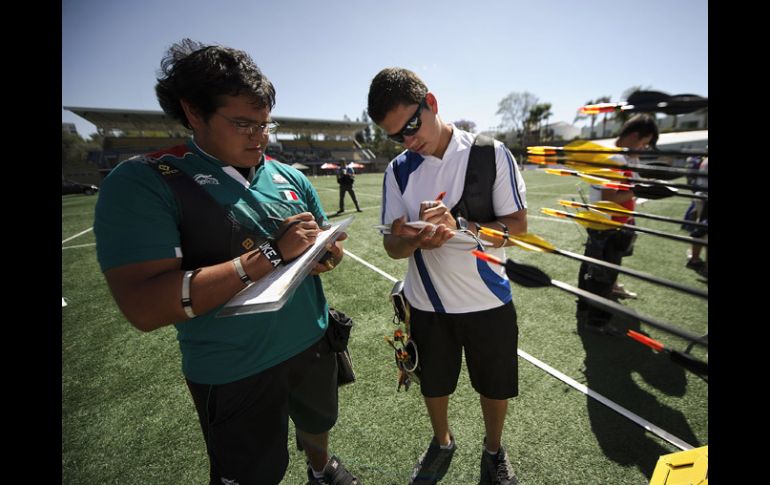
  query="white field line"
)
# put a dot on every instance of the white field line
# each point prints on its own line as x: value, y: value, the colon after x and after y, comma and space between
x: 77, y: 235
x: 78, y: 246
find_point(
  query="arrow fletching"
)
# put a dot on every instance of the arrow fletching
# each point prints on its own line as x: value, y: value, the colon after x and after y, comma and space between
x: 525, y: 275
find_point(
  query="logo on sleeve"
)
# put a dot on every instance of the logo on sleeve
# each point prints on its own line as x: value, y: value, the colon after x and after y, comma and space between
x: 279, y: 179
x: 289, y: 195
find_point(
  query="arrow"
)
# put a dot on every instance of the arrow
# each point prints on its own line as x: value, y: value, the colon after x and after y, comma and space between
x: 603, y: 176
x: 616, y: 175
x: 535, y: 243
x: 589, y: 147
x: 532, y: 277
x: 607, y: 206
x: 662, y: 172
x: 601, y: 223
x: 685, y: 360
x: 651, y: 101
x: 646, y: 190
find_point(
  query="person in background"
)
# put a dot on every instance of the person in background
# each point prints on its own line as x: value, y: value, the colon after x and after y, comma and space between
x: 640, y: 132
x: 694, y: 261
x: 181, y: 231
x: 346, y: 177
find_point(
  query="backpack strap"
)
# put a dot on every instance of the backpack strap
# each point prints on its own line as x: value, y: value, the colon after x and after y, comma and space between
x: 209, y: 234
x: 476, y: 203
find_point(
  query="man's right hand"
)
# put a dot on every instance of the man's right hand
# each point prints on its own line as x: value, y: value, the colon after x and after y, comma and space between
x: 297, y: 234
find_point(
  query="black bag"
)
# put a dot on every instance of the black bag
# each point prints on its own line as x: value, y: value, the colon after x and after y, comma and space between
x: 338, y: 331
x: 345, y: 374
x: 337, y: 336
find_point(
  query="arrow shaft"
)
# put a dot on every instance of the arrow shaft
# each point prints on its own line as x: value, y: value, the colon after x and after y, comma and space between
x: 618, y: 309
x: 628, y: 151
x: 643, y: 215
x: 650, y: 170
x: 667, y: 235
x: 636, y: 274
x: 616, y: 225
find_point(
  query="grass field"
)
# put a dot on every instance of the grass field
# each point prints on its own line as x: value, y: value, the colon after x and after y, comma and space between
x: 127, y: 417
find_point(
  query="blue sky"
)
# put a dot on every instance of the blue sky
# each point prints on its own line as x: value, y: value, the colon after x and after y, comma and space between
x: 321, y: 56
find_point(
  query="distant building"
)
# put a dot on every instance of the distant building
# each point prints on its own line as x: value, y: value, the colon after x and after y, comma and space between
x: 69, y: 128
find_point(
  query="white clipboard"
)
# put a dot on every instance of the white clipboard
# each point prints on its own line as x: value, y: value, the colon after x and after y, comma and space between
x: 271, y: 292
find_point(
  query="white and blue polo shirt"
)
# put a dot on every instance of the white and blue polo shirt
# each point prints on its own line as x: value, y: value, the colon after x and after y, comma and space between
x: 450, y: 279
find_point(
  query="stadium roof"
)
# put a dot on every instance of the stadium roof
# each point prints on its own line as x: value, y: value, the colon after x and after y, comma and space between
x: 127, y: 120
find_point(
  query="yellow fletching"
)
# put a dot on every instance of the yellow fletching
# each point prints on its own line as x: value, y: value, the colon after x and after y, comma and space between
x: 533, y: 240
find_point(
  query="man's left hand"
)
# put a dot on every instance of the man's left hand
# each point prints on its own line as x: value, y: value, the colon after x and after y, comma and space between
x: 334, y: 257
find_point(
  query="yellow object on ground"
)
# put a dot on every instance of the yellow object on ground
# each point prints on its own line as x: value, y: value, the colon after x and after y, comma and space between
x: 683, y: 468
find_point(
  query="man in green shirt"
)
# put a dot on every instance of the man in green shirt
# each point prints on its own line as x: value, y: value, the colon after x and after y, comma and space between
x: 181, y: 231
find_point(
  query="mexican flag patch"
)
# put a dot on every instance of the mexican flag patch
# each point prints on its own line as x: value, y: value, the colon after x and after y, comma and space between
x: 289, y: 195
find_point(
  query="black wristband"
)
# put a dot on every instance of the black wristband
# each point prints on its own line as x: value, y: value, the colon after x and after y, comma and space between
x: 269, y: 250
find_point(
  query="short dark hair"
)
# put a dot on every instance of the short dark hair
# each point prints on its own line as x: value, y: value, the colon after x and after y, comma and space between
x: 200, y: 74
x: 391, y: 87
x: 643, y: 124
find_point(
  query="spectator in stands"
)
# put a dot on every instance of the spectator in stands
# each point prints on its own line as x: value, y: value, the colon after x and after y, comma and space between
x: 638, y: 133
x: 346, y: 177
x: 457, y: 302
x: 174, y: 251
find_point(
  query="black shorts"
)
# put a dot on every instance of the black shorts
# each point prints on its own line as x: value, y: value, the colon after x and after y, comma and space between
x: 245, y: 422
x: 313, y: 389
x: 490, y: 339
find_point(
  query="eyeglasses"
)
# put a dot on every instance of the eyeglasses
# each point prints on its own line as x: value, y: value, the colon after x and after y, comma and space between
x: 412, y: 126
x: 249, y: 128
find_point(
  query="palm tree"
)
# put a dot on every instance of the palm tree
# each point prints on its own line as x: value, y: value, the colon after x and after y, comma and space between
x: 545, y: 114
x: 603, y: 99
x: 581, y: 116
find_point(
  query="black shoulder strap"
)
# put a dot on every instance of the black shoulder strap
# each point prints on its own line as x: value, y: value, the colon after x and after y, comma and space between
x: 476, y: 202
x: 209, y: 234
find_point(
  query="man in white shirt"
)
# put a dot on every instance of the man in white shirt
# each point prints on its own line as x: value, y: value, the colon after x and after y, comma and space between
x: 457, y: 302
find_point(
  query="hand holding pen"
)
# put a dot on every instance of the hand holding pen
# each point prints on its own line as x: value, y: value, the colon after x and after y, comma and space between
x: 435, y: 212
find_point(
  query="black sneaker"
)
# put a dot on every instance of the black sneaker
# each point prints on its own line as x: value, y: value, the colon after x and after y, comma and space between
x: 433, y: 464
x: 496, y: 469
x: 334, y: 474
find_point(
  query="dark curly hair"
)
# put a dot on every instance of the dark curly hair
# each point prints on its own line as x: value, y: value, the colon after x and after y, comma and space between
x: 200, y: 74
x: 391, y: 87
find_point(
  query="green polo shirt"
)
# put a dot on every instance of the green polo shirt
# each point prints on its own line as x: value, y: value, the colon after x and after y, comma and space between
x: 137, y: 220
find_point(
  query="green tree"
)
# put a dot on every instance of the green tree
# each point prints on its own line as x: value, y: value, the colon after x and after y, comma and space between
x: 603, y: 99
x: 73, y: 149
x: 581, y: 116
x: 382, y: 146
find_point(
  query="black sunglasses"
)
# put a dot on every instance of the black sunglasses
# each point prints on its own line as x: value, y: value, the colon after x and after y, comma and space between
x: 412, y: 126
